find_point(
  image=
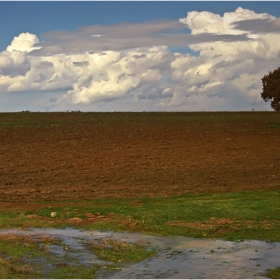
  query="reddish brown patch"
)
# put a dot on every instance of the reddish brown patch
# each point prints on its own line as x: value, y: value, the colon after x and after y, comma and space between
x: 205, y: 225
x: 220, y: 223
x: 90, y: 218
x: 75, y: 220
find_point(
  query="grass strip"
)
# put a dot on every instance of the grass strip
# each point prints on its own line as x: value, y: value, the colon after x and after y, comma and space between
x: 231, y: 216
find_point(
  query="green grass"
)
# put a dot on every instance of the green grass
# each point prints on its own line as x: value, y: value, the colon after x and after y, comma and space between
x: 20, y: 220
x: 14, y: 252
x: 15, y: 268
x: 254, y: 215
x: 65, y: 271
x: 65, y: 213
x: 18, y: 252
x: 18, y: 246
x: 117, y: 251
x: 231, y: 216
x: 274, y: 125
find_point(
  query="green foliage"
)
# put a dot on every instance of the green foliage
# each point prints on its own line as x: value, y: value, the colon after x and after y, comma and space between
x: 275, y: 273
x: 271, y: 89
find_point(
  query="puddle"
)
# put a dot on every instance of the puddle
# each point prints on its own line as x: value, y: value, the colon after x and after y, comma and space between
x: 177, y: 257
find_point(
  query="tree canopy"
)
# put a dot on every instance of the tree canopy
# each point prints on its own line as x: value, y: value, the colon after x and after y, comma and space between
x: 271, y: 89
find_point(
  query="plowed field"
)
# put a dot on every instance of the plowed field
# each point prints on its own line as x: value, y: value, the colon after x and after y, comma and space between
x: 75, y: 155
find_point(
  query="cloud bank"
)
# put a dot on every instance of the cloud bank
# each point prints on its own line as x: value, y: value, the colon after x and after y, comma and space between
x: 132, y: 64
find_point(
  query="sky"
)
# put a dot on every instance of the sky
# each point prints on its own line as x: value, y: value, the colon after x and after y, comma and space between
x: 137, y: 56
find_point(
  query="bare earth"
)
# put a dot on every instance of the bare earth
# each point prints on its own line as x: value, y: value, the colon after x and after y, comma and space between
x: 67, y: 156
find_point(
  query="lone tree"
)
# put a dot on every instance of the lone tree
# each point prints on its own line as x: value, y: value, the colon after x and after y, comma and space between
x: 271, y: 89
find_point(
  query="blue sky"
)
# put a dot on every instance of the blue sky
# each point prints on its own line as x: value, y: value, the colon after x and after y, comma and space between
x: 42, y: 16
x: 145, y: 87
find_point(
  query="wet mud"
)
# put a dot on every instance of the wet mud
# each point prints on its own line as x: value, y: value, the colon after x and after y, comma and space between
x: 176, y: 257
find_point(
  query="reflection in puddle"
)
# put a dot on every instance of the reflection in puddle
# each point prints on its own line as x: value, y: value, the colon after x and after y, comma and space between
x: 177, y: 257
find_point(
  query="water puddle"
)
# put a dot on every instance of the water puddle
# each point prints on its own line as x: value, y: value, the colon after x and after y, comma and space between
x: 177, y: 257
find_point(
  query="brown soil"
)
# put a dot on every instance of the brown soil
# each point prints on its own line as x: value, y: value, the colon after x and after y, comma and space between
x: 80, y: 156
x: 217, y: 223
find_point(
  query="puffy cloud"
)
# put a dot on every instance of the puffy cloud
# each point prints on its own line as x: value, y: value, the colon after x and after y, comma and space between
x: 25, y: 42
x: 237, y: 65
x: 207, y: 22
x: 132, y: 63
x: 14, y: 63
x: 113, y: 74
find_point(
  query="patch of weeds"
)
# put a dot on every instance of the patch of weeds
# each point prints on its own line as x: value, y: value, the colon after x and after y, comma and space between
x: 18, y: 246
x: 146, y: 199
x: 274, y: 125
x: 113, y: 267
x: 49, y: 240
x: 66, y: 271
x: 60, y: 212
x: 19, y: 249
x: 28, y: 212
x: 117, y: 251
x: 174, y: 253
x: 17, y: 268
x: 15, y: 220
x: 274, y: 273
x: 46, y: 212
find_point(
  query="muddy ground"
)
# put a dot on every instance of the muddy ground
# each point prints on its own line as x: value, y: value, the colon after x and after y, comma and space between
x: 67, y: 156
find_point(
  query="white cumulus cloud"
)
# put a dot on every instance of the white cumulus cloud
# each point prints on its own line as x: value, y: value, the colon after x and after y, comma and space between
x: 133, y: 63
x: 24, y: 42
